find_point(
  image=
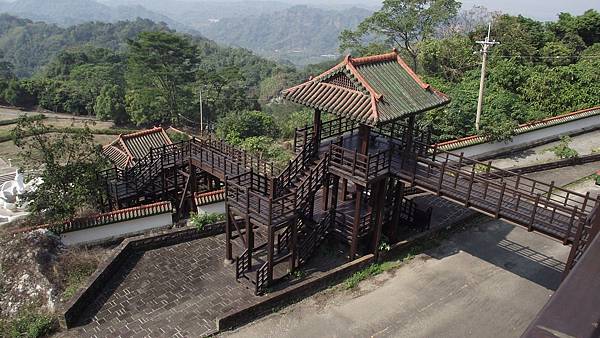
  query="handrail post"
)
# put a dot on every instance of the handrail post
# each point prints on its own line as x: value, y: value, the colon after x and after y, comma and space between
x: 535, y: 206
x: 497, y: 215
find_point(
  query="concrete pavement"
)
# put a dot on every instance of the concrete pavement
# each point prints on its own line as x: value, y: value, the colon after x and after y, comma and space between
x: 488, y: 281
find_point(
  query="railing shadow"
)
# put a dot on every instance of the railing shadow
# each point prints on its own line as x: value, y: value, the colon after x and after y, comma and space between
x: 489, y: 242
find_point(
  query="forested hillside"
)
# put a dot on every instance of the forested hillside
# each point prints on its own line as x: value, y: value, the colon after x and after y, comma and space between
x: 84, y: 70
x: 300, y: 34
x: 30, y: 45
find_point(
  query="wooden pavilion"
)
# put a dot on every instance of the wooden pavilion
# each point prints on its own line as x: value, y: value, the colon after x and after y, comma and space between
x: 347, y: 179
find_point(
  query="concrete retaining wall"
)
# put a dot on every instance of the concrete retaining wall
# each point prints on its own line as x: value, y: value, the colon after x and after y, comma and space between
x: 116, y: 230
x: 530, y: 139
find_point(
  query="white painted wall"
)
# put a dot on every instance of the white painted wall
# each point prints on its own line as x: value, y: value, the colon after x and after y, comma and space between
x: 214, y: 208
x: 116, y: 230
x: 530, y: 138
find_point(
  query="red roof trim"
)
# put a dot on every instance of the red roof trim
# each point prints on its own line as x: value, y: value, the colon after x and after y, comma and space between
x: 529, y: 124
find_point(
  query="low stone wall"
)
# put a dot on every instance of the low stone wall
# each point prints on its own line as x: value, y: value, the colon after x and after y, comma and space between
x: 239, y: 317
x: 110, y: 267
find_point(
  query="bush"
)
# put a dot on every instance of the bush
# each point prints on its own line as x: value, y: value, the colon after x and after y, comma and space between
x: 562, y: 150
x: 28, y: 323
x: 203, y: 219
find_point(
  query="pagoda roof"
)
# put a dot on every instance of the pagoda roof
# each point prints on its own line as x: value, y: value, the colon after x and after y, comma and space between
x: 129, y: 148
x: 370, y: 90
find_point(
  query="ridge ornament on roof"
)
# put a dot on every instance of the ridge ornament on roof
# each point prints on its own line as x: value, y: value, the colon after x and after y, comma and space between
x: 372, y: 90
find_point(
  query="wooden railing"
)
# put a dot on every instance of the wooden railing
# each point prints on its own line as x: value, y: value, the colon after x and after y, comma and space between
x: 365, y: 168
x: 262, y: 279
x: 242, y: 264
x: 536, y: 205
x: 245, y: 197
x: 588, y: 229
x: 236, y: 155
x: 312, y: 240
x: 329, y: 129
x: 295, y: 168
x: 344, y: 224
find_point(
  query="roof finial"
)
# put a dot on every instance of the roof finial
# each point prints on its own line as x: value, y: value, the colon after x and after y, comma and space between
x: 348, y: 58
x: 395, y: 50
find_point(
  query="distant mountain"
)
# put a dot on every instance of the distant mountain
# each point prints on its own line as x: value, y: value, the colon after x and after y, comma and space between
x: 300, y: 34
x: 198, y: 14
x: 71, y: 12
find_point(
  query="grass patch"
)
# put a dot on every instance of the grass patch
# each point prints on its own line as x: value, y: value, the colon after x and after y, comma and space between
x: 76, y: 277
x: 28, y: 323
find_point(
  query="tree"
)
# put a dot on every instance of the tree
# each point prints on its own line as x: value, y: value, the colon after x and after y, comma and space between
x: 403, y: 24
x: 236, y: 127
x: 161, y: 67
x: 110, y: 105
x: 67, y: 164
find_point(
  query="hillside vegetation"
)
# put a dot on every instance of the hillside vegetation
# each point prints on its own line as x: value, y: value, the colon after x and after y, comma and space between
x: 300, y: 34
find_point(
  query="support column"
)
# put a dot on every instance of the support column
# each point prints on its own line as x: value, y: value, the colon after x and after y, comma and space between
x: 194, y: 186
x: 344, y: 191
x: 410, y: 131
x: 293, y: 246
x: 397, y: 207
x: 270, y: 251
x: 356, y: 223
x: 249, y: 240
x: 325, y: 194
x: 363, y: 139
x: 228, y: 231
x: 379, y: 209
x: 317, y: 125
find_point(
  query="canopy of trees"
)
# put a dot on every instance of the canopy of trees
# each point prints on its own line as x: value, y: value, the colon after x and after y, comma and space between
x: 538, y: 70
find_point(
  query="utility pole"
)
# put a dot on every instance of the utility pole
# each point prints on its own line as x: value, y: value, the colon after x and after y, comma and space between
x: 485, y: 45
x: 201, y: 114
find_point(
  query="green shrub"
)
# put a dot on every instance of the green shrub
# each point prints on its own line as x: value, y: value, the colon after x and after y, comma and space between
x: 203, y: 219
x: 562, y: 149
x: 28, y: 323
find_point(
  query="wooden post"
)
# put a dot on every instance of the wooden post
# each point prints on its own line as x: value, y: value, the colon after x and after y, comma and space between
x: 356, y: 223
x: 344, y: 191
x: 470, y: 189
x: 497, y: 214
x: 228, y: 231
x: 270, y: 261
x: 317, y: 129
x: 325, y: 195
x: 293, y: 245
x: 534, y: 211
x: 380, y: 201
x: 363, y: 139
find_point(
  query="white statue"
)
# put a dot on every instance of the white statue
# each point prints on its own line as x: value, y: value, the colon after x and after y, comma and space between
x: 11, y: 192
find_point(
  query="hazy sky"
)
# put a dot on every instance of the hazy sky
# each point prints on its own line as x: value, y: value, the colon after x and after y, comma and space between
x: 539, y: 9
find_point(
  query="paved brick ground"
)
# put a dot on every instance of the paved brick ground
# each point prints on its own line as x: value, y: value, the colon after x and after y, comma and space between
x: 176, y: 291
x: 180, y: 290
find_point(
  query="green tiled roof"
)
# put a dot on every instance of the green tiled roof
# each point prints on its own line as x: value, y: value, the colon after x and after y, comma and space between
x: 370, y: 90
x: 127, y: 149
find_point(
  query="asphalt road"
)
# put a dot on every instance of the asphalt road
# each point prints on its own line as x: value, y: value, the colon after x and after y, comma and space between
x: 489, y: 281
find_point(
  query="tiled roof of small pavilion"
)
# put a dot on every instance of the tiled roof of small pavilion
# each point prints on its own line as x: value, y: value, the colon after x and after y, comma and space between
x: 126, y: 149
x: 371, y: 90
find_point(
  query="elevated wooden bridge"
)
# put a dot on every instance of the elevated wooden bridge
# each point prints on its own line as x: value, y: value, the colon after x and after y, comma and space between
x: 347, y: 179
